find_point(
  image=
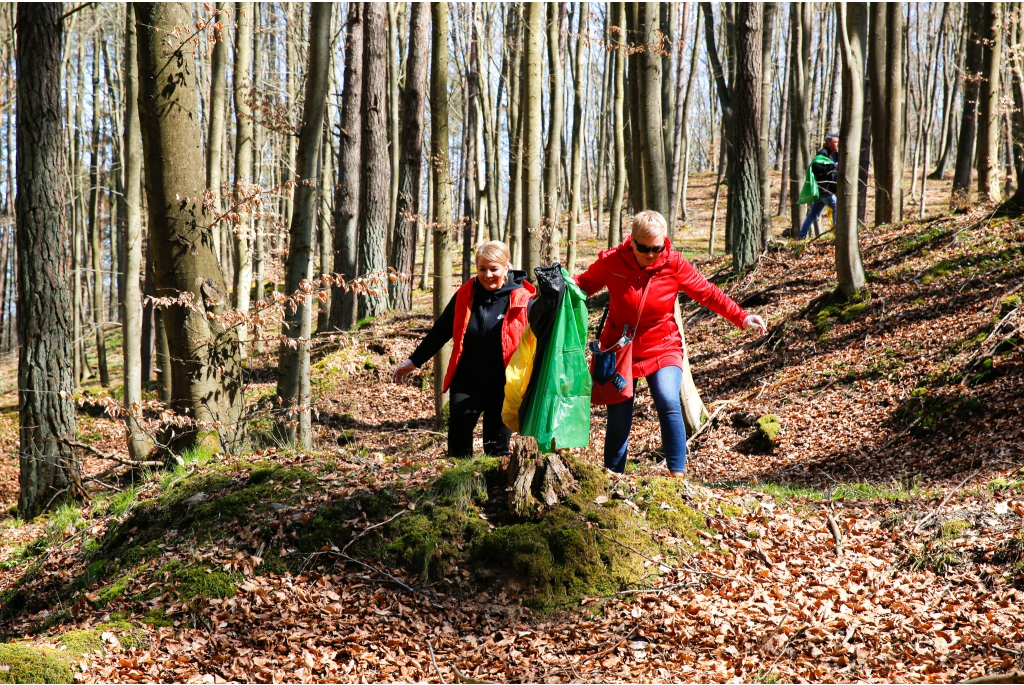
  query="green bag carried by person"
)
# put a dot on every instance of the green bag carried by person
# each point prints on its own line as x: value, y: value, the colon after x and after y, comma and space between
x: 809, y: 192
x: 555, y: 408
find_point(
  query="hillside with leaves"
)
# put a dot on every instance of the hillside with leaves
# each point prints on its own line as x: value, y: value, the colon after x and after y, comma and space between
x: 878, y: 536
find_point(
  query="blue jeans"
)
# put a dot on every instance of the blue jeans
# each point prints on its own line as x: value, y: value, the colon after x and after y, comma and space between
x: 816, y: 209
x: 664, y: 383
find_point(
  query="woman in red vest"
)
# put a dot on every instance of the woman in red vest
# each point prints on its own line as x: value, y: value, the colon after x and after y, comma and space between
x: 485, y: 320
x: 643, y: 276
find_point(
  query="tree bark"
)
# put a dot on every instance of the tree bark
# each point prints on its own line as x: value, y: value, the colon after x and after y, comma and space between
x: 131, y: 302
x: 799, y: 92
x: 670, y: 47
x: 46, y: 403
x: 243, y: 186
x: 203, y: 366
x: 632, y: 90
x: 293, y: 388
x: 394, y: 127
x: 513, y: 56
x: 346, y: 192
x: 988, y: 104
x: 530, y: 103
x: 410, y: 169
x: 681, y: 166
x: 889, y: 193
x: 577, y: 139
x: 441, y: 174
x: 556, y: 122
x: 618, y: 125
x: 851, y: 26
x: 973, y: 64
x: 490, y: 129
x: 95, y: 228
x: 218, y: 119
x: 764, y: 150
x: 653, y: 150
x: 948, y: 120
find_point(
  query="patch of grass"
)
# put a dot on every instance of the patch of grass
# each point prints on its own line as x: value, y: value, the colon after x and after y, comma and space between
x: 894, y: 491
x: 33, y: 665
x: 938, y: 554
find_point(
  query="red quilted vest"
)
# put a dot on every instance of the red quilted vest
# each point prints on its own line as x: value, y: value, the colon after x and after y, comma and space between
x: 512, y: 326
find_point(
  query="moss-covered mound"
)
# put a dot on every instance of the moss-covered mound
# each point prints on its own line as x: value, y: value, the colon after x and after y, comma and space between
x: 838, y: 308
x: 24, y: 664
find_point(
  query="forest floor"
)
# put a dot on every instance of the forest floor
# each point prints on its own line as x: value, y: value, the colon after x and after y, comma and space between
x: 879, y: 538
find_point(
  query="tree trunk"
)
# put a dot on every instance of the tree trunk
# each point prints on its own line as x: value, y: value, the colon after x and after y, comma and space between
x: 243, y: 186
x: 490, y: 128
x: 785, y: 129
x: 556, y: 122
x: 655, y: 179
x: 46, y: 403
x: 743, y: 207
x: 1014, y: 206
x: 95, y: 227
x: 131, y: 302
x: 683, y: 130
x: 205, y: 386
x: 346, y: 192
x: 618, y: 126
x: 577, y: 139
x: 764, y: 150
x: 851, y: 26
x: 948, y: 120
x: 988, y: 104
x: 394, y: 129
x: 218, y: 121
x: 530, y: 104
x: 535, y: 481
x: 638, y: 197
x: 670, y: 47
x: 799, y: 92
x: 257, y: 238
x: 973, y: 64
x: 440, y: 170
x: 513, y: 50
x: 410, y: 169
x: 889, y: 194
x: 293, y: 366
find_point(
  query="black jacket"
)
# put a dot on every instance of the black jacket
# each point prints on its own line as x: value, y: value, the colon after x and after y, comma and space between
x: 482, y: 365
x: 826, y: 174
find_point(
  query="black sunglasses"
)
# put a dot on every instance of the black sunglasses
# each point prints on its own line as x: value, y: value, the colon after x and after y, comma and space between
x: 647, y: 249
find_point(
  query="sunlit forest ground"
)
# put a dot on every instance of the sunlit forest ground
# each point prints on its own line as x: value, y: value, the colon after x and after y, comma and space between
x: 879, y: 538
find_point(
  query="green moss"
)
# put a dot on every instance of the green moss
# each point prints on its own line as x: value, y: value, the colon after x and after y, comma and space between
x: 368, y: 365
x: 331, y: 524
x: 950, y: 530
x: 768, y: 428
x: 81, y: 642
x: 33, y: 665
x: 939, y: 554
x: 190, y: 581
x: 157, y: 618
x: 464, y: 484
x: 1008, y: 304
x: 665, y: 508
x: 128, y: 633
x: 838, y: 307
x: 432, y: 544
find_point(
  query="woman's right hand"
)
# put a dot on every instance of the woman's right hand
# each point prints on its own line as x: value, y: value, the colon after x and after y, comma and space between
x: 403, y: 371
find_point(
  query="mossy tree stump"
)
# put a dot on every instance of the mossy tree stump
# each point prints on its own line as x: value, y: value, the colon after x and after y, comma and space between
x: 535, y: 480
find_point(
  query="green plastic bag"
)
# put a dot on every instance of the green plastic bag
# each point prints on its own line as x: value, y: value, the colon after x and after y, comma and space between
x: 810, y: 193
x: 559, y: 410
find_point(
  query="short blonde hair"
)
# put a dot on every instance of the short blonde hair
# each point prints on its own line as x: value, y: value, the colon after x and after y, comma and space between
x: 648, y: 224
x: 494, y: 251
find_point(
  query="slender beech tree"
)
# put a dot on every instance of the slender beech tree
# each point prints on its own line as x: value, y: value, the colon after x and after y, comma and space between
x: 46, y: 405
x: 374, y: 193
x: 202, y: 355
x: 218, y: 117
x: 293, y: 388
x: 243, y: 186
x: 973, y: 65
x: 555, y: 124
x: 403, y: 251
x: 954, y: 80
x: 799, y: 106
x: 440, y: 171
x: 851, y: 27
x: 131, y: 301
x: 681, y: 151
x: 653, y: 142
x: 346, y: 192
x: 764, y: 149
x: 532, y: 113
x: 886, y: 77
x: 577, y: 139
x: 95, y: 222
x: 989, y: 115
x: 394, y: 130
x: 1014, y: 205
x: 619, y: 56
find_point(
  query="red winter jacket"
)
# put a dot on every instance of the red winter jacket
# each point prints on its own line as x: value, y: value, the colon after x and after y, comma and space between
x: 657, y: 343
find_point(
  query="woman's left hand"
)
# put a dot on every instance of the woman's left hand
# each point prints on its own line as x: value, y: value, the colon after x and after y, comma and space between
x: 755, y: 322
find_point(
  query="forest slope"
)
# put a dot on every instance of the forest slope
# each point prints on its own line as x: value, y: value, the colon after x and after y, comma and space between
x: 879, y: 538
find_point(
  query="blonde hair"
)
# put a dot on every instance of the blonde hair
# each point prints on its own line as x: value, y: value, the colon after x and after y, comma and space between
x: 648, y: 224
x: 494, y: 251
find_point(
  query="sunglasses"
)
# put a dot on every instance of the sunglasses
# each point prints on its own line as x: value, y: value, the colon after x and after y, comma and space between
x: 647, y: 249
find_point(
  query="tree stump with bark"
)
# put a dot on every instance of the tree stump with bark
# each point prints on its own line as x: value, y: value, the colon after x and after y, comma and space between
x: 535, y: 481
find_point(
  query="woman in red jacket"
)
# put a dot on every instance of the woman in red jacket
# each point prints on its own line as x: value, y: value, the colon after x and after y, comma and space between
x: 643, y: 276
x: 485, y: 320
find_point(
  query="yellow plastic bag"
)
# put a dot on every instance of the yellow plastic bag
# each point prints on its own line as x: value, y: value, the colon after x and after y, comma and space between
x: 517, y: 378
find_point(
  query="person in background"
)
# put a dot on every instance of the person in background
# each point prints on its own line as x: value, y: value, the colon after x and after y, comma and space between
x: 826, y: 175
x: 646, y: 258
x: 485, y: 319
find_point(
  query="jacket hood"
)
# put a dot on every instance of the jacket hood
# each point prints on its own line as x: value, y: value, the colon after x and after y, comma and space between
x: 516, y: 279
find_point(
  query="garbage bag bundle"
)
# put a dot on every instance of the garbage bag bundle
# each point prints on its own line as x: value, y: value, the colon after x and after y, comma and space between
x: 547, y: 381
x: 810, y: 192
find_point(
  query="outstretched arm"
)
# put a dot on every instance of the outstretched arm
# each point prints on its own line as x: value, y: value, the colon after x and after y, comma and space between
x: 708, y: 294
x: 440, y: 333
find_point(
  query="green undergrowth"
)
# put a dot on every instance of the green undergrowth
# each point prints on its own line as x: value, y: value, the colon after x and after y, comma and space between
x: 838, y: 308
x: 25, y: 664
x: 893, y: 491
x: 939, y: 554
